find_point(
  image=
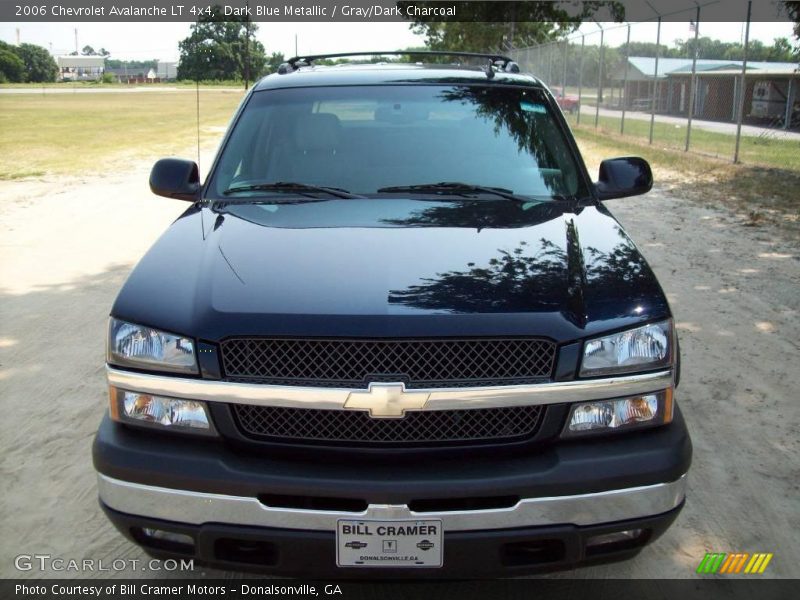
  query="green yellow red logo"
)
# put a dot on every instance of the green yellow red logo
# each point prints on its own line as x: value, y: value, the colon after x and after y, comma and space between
x: 734, y: 563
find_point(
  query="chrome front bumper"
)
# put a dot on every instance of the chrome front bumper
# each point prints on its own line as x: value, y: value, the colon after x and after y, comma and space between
x: 239, y: 508
x: 197, y: 508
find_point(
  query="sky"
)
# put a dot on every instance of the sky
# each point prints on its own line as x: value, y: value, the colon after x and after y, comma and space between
x: 145, y: 41
x: 616, y: 33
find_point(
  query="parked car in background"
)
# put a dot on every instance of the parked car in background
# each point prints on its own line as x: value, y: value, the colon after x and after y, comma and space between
x: 568, y: 103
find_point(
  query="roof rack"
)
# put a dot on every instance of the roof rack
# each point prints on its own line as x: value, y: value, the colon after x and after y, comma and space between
x: 495, y: 61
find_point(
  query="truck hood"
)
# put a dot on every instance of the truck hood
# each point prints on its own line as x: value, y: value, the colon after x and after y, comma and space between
x: 393, y: 267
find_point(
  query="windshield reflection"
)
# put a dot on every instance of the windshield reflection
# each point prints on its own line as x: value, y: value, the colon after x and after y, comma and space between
x: 481, y: 214
x: 507, y: 115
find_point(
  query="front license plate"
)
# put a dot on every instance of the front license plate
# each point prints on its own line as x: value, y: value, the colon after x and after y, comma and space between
x: 389, y: 543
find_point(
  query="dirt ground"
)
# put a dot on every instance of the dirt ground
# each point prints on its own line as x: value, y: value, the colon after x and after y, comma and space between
x: 66, y: 246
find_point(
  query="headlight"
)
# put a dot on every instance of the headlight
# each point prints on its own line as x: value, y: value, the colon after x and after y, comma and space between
x: 643, y: 348
x: 646, y: 410
x: 131, y: 345
x: 159, y: 412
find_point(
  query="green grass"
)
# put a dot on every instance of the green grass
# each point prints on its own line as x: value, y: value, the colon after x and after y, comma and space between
x: 60, y: 85
x: 761, y: 151
x: 754, y: 192
x: 88, y: 134
x: 212, y: 83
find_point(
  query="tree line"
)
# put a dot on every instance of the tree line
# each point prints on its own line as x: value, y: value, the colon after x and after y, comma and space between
x: 710, y: 49
x: 226, y: 47
x: 220, y: 47
x: 583, y: 64
x: 26, y: 63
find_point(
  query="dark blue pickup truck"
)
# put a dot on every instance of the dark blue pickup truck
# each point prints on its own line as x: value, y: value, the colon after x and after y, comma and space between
x: 395, y: 333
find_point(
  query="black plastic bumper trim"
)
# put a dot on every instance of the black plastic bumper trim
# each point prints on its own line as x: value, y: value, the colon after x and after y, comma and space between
x: 467, y: 554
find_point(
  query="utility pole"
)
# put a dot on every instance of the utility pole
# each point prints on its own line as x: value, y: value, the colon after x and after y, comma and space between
x: 580, y: 78
x: 76, y: 40
x: 247, y: 49
x: 743, y: 87
x: 624, y: 94
x: 656, y: 83
x: 656, y: 86
x: 693, y: 84
x: 564, y: 75
x: 600, y: 76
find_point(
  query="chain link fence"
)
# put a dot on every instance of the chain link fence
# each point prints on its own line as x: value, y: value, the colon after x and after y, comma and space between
x: 677, y: 94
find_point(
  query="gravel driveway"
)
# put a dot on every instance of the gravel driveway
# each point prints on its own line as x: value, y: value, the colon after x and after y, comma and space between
x: 67, y: 246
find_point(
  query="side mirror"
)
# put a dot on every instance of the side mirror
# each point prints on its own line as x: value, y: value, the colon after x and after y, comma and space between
x: 175, y: 178
x: 623, y: 177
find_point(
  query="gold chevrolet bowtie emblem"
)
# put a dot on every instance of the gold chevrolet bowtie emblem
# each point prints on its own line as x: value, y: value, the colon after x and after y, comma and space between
x: 386, y: 400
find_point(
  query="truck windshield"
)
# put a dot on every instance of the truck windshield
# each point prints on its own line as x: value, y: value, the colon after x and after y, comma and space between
x: 390, y: 140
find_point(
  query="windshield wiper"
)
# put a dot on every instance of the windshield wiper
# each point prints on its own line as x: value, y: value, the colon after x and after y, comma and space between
x: 454, y: 187
x: 290, y: 187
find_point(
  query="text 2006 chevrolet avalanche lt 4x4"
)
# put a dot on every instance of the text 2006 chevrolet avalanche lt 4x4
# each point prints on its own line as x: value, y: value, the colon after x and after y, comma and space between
x: 396, y: 333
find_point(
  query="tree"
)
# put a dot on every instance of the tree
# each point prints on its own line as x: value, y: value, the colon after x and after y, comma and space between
x: 11, y: 66
x: 708, y: 49
x: 780, y: 51
x: 648, y: 49
x: 88, y: 51
x: 496, y: 26
x: 220, y: 47
x: 711, y: 49
x: 39, y: 65
x: 793, y: 8
x: 275, y: 60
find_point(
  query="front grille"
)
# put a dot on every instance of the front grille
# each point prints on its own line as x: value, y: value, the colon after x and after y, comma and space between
x: 417, y: 363
x: 304, y: 425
